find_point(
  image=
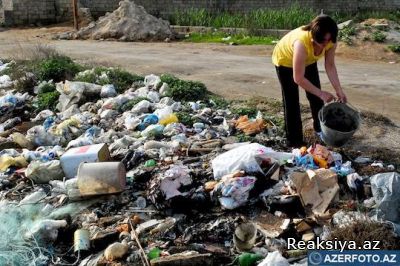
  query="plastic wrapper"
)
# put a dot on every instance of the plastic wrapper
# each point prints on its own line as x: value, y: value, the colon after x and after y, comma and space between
x: 233, y: 192
x: 173, y: 179
x: 250, y: 127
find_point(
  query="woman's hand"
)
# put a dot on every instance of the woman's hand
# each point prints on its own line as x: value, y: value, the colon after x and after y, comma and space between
x: 341, y: 96
x: 326, y: 96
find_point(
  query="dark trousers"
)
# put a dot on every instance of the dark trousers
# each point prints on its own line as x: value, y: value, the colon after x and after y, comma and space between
x: 291, y: 105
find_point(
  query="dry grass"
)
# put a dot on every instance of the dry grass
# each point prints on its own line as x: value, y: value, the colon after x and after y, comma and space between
x: 361, y: 231
x: 36, y: 52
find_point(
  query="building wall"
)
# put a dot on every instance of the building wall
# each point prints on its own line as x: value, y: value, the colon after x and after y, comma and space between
x: 21, y: 12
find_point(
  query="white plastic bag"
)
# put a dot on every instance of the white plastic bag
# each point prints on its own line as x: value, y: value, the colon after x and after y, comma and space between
x: 107, y: 91
x: 163, y: 112
x: 141, y: 107
x: 246, y: 157
x: 153, y: 96
x: 152, y: 81
x: 274, y: 258
x: 44, y: 172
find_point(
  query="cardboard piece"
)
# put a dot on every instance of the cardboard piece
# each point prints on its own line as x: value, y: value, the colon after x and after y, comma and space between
x: 316, y: 188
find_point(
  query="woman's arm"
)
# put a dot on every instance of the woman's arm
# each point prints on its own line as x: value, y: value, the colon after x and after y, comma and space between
x: 299, y: 59
x: 331, y: 71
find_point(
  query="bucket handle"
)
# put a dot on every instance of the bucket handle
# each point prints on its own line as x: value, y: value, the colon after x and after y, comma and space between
x: 320, y: 115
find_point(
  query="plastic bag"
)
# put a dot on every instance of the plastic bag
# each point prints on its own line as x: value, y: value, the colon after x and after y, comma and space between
x: 7, y: 161
x: 42, y: 173
x: 152, y: 81
x: 275, y: 258
x: 152, y: 130
x: 163, y: 112
x: 153, y: 96
x: 141, y: 107
x: 246, y: 157
x: 172, y: 118
x: 131, y: 122
x: 173, y: 179
x: 234, y: 191
x: 385, y: 189
x: 164, y: 88
x: 107, y: 91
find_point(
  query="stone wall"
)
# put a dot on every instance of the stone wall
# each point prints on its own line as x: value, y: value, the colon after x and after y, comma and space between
x: 18, y: 12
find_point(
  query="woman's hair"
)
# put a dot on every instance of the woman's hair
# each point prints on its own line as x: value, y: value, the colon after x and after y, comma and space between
x: 320, y: 26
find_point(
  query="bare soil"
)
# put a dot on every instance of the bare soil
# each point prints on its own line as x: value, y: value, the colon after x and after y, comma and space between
x: 369, y: 73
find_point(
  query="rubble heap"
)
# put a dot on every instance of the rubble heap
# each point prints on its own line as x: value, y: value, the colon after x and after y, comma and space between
x: 129, y: 22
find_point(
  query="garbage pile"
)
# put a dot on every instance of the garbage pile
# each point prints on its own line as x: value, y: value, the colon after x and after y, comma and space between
x: 119, y: 177
x: 129, y: 22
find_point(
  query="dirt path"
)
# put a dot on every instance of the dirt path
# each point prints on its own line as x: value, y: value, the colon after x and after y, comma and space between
x: 235, y: 72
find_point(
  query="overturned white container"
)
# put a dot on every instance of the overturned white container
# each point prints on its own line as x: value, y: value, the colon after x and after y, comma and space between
x: 101, y: 178
x: 71, y: 160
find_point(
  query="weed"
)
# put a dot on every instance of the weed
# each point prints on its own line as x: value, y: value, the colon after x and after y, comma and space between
x: 346, y: 33
x: 47, y: 87
x: 57, y: 68
x: 181, y: 90
x: 394, y: 48
x: 378, y: 36
x: 221, y: 37
x: 185, y: 118
x: 249, y: 111
x: 244, y: 138
x: 47, y: 100
x: 218, y: 101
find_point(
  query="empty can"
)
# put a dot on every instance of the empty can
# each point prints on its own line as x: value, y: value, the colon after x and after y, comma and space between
x: 81, y: 240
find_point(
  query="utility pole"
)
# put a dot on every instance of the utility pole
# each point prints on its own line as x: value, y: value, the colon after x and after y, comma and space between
x: 75, y: 12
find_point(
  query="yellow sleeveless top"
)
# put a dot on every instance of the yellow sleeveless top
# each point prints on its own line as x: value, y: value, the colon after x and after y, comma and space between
x: 283, y: 51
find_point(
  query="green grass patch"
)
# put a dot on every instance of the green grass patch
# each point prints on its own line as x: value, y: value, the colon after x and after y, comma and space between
x: 245, y: 110
x: 182, y: 90
x: 287, y: 18
x: 47, y: 100
x: 221, y: 37
x: 378, y: 36
x: 185, y: 118
x: 218, y: 101
x: 346, y: 33
x: 395, y: 48
x: 58, y: 68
